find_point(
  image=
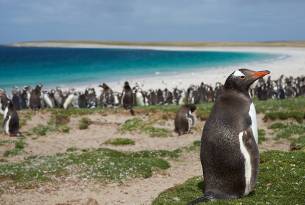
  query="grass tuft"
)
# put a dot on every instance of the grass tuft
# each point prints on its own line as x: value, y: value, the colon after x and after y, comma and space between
x: 120, y: 141
x: 19, y: 146
x: 261, y: 136
x: 84, y: 123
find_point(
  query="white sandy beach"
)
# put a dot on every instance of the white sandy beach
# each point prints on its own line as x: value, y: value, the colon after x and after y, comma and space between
x: 291, y: 64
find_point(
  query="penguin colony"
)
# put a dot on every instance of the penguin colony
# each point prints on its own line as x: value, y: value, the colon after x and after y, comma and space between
x: 229, y: 152
x: 37, y: 97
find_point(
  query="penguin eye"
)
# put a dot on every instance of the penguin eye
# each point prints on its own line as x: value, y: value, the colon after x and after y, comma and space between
x: 242, y: 77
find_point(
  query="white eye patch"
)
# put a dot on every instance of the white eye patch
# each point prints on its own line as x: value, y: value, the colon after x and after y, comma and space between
x: 237, y: 73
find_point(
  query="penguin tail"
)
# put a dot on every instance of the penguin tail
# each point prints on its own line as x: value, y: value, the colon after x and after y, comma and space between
x: 132, y: 112
x: 199, y: 200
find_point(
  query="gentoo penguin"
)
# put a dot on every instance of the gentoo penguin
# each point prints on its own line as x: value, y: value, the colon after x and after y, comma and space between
x: 11, y: 120
x: 68, y: 100
x: 3, y: 101
x: 229, y: 153
x: 47, y: 100
x: 184, y: 119
x: 127, y: 97
x: 35, y: 98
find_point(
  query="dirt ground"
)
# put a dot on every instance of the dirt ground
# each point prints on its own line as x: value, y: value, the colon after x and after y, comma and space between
x: 133, y: 191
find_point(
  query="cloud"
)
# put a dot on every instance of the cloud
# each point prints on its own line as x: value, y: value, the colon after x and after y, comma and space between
x: 151, y: 20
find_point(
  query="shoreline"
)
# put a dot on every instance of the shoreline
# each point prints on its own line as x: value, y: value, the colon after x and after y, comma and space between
x: 292, y: 63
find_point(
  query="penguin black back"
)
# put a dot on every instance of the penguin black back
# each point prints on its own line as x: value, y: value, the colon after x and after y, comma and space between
x: 229, y: 153
x: 127, y: 97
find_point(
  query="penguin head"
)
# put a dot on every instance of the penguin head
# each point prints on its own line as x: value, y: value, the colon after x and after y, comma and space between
x: 10, y: 105
x: 242, y: 79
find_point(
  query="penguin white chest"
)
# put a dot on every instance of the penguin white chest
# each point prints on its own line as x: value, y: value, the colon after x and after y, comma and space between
x: 7, y: 125
x: 252, y: 113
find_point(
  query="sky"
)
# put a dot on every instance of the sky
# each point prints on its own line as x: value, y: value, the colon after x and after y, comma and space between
x: 152, y: 20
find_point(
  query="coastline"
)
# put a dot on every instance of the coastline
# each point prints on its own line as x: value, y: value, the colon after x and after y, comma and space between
x: 293, y: 64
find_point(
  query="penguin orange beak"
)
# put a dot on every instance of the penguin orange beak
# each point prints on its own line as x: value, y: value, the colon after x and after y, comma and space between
x: 260, y: 74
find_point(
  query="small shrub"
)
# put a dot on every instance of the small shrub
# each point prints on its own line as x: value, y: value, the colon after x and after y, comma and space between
x: 41, y: 130
x: 84, y: 123
x: 132, y: 125
x: 156, y: 131
x: 64, y: 129
x: 19, y: 146
x: 120, y: 141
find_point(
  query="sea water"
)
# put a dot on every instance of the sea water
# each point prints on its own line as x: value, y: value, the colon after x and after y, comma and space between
x: 21, y: 66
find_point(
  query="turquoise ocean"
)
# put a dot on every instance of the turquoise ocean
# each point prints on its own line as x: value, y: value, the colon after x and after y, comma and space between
x: 52, y: 67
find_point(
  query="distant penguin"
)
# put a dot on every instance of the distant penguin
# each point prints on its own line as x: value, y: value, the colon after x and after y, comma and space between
x: 184, y: 119
x: 181, y: 99
x: 68, y: 101
x: 16, y: 98
x: 127, y: 97
x: 25, y: 97
x: 139, y: 98
x: 3, y: 101
x: 82, y: 101
x: 11, y: 120
x: 47, y: 100
x: 35, y: 98
x: 229, y: 152
x: 59, y: 98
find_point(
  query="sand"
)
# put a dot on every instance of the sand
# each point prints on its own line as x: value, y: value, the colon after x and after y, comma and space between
x: 290, y: 63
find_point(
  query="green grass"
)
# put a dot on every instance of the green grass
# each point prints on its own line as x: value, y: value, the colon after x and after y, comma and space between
x: 261, y: 136
x: 101, y: 164
x: 42, y: 130
x: 84, y: 123
x: 4, y: 142
x: 156, y: 131
x: 132, y: 125
x: 19, y: 146
x: 288, y: 130
x: 137, y: 124
x: 280, y: 181
x: 120, y: 141
x: 299, y: 143
x: 292, y: 108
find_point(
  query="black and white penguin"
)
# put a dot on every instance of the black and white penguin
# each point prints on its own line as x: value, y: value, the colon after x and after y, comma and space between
x: 48, y: 101
x: 3, y: 101
x: 16, y: 98
x: 229, y: 152
x: 35, y: 98
x: 127, y: 97
x: 184, y: 119
x: 11, y: 120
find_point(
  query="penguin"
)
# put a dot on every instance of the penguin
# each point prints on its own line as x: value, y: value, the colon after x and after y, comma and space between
x: 16, y: 98
x: 25, y: 97
x: 11, y: 120
x: 229, y: 152
x: 127, y: 97
x: 139, y: 98
x: 58, y: 97
x: 68, y: 101
x: 35, y: 98
x: 47, y: 100
x: 82, y: 101
x: 184, y: 119
x: 182, y: 98
x: 3, y: 101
